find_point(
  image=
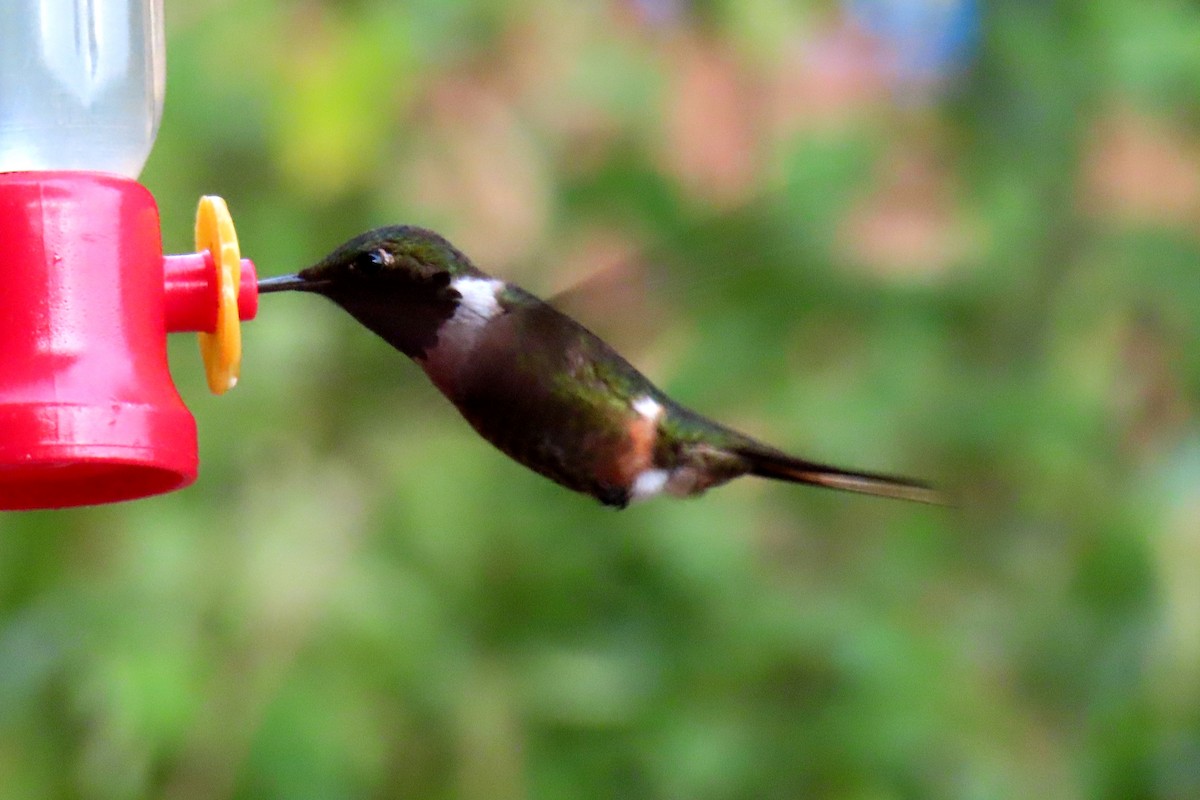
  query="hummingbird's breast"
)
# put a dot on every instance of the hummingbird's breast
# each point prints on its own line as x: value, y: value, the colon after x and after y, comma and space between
x: 549, y: 393
x: 459, y: 335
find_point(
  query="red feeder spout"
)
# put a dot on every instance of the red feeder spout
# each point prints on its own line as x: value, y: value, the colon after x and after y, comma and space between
x: 191, y: 283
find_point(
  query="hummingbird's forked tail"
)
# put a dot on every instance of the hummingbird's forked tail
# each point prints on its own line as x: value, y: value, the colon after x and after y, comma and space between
x: 780, y: 466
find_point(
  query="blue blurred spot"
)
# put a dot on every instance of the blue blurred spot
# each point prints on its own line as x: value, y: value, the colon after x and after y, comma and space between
x: 926, y: 40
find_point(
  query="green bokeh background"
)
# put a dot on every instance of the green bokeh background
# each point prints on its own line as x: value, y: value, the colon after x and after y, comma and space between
x: 991, y: 283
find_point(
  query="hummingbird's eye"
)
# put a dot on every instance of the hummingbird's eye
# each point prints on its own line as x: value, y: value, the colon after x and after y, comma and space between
x: 374, y: 261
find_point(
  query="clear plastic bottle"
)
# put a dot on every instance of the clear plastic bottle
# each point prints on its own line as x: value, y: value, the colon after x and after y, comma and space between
x: 81, y: 84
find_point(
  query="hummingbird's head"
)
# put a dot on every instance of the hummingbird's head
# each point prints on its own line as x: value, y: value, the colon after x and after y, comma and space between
x: 383, y: 261
x: 394, y: 280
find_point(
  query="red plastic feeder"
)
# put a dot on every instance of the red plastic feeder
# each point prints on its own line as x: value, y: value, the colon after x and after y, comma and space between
x: 88, y: 412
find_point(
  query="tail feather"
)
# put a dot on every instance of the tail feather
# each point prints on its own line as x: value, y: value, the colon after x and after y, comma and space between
x: 780, y: 466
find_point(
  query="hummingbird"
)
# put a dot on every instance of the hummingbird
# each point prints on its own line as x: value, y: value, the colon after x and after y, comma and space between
x: 541, y: 387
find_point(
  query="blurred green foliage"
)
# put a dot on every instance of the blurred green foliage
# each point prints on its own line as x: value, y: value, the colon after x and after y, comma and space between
x: 990, y: 282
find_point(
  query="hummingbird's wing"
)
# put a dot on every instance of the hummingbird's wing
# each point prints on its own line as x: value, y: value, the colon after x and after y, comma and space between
x: 621, y: 300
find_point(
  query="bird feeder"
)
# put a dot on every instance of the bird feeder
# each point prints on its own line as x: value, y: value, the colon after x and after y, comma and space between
x: 88, y: 411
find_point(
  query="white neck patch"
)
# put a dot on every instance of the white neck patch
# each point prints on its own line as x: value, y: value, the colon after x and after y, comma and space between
x: 478, y: 304
x: 459, y: 335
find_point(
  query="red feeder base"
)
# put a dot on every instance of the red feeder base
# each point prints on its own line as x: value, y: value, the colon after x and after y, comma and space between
x: 88, y: 412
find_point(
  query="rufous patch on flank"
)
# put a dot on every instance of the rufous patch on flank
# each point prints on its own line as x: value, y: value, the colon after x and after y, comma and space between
x: 641, y: 437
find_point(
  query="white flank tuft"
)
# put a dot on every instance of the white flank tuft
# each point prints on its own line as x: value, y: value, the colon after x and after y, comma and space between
x: 479, y: 302
x: 649, y: 483
x: 648, y: 407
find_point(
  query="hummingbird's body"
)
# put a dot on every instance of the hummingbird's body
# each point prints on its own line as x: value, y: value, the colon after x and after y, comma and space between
x: 541, y: 387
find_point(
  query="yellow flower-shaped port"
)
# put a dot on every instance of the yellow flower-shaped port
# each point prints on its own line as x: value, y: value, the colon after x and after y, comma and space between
x: 221, y: 349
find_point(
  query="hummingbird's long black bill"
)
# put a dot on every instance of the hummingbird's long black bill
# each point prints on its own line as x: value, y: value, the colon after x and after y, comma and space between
x: 285, y: 283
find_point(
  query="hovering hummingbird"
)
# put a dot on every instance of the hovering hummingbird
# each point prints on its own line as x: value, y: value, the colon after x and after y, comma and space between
x: 541, y: 387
